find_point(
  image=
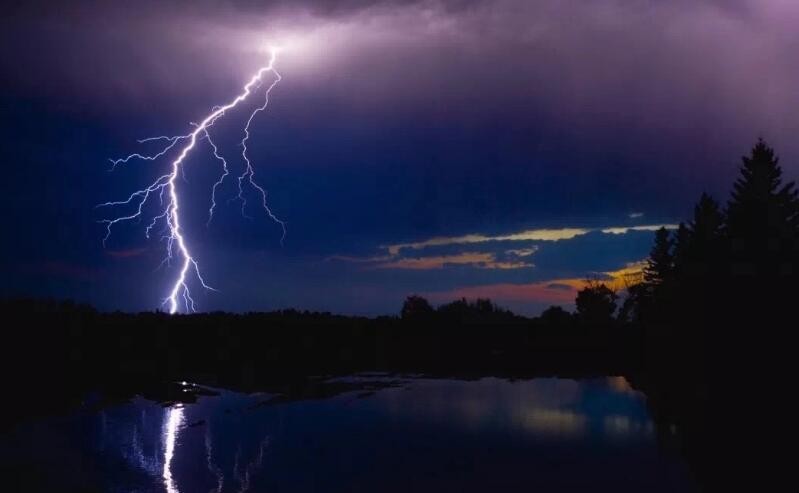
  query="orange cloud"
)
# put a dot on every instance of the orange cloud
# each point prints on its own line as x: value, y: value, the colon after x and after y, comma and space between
x: 528, y: 235
x: 480, y: 260
x: 393, y: 258
x: 563, y: 291
x: 523, y: 252
x: 554, y: 291
x: 629, y: 275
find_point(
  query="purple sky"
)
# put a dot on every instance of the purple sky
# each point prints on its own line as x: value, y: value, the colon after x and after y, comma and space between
x: 396, y: 122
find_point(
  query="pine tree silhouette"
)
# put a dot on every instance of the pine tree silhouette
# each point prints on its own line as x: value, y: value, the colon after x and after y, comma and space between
x: 698, y: 244
x: 660, y: 264
x: 762, y: 222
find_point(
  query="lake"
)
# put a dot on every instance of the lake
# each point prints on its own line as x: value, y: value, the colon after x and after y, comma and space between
x: 376, y: 433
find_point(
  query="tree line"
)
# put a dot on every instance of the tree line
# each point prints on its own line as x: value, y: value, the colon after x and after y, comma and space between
x: 708, y: 330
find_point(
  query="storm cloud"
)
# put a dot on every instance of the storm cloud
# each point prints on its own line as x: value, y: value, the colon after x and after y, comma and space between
x: 397, y: 123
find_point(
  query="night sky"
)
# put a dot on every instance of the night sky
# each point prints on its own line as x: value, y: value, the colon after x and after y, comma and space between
x: 504, y: 148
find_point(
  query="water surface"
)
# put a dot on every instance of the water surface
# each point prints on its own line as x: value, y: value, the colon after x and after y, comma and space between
x: 420, y: 435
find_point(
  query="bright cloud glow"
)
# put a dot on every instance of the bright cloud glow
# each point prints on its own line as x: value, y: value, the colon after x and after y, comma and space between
x: 526, y: 235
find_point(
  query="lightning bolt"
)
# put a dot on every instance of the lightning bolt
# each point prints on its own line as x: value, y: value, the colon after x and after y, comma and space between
x: 165, y: 184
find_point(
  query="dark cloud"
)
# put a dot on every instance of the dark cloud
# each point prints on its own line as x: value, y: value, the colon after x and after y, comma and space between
x: 559, y: 286
x: 61, y: 269
x: 397, y: 121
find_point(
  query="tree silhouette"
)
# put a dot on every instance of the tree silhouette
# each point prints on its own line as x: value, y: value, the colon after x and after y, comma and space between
x: 707, y: 223
x: 697, y: 248
x: 719, y: 316
x: 660, y: 264
x: 416, y: 307
x: 481, y: 310
x: 633, y: 308
x: 762, y: 217
x: 556, y: 316
x: 682, y: 238
x: 596, y: 303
